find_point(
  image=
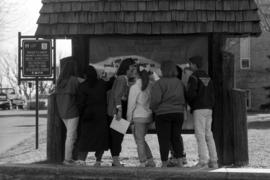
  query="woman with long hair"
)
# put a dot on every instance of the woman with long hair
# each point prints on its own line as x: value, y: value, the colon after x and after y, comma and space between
x: 66, y: 93
x: 94, y: 129
x: 140, y: 115
x: 173, y: 161
x: 168, y: 103
x: 117, y: 105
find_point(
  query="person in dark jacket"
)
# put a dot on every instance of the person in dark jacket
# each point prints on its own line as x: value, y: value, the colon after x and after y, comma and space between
x: 168, y: 103
x: 94, y: 129
x: 200, y: 96
x: 117, y: 105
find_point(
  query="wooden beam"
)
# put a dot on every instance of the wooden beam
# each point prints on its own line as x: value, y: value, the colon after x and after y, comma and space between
x: 80, y: 51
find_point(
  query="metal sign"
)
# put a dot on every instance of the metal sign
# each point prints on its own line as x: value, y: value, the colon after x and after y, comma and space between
x: 36, y: 62
x: 36, y: 58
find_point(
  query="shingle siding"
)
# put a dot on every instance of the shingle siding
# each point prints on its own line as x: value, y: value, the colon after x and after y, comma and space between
x: 194, y: 16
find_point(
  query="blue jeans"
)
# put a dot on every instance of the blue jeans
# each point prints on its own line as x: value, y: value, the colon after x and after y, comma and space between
x: 139, y: 131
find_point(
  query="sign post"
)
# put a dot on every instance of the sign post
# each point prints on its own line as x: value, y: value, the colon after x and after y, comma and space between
x: 36, y: 63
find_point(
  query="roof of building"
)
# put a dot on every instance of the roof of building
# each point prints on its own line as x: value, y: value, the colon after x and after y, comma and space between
x: 264, y: 13
x: 97, y: 17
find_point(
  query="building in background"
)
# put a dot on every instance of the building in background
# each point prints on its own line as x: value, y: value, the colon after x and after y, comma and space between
x: 252, y: 67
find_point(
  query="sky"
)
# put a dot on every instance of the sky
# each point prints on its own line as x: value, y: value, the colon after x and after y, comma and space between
x: 17, y: 16
x: 21, y: 16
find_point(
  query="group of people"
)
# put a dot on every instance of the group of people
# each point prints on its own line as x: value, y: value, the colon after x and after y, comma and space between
x: 88, y: 106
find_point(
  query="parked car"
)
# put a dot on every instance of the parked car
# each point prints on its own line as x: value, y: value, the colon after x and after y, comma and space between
x: 4, y: 101
x: 18, y: 103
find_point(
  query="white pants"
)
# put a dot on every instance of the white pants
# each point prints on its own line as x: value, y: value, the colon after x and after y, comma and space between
x: 139, y: 131
x: 204, y: 136
x: 71, y: 125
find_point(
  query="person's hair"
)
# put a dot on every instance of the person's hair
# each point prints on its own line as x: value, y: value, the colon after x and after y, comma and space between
x: 144, y: 76
x: 168, y: 69
x: 91, y: 75
x: 124, y: 66
x: 197, y: 60
x: 179, y: 72
x: 67, y: 70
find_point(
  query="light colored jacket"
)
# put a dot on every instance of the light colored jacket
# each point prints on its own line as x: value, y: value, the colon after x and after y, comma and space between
x: 139, y: 103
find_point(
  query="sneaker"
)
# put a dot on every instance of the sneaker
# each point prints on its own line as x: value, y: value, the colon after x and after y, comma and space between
x: 164, y: 164
x: 142, y: 164
x: 180, y: 162
x: 184, y: 160
x: 150, y: 163
x: 116, y: 162
x: 69, y: 162
x: 201, y: 165
x: 172, y: 162
x: 213, y: 165
x: 80, y: 163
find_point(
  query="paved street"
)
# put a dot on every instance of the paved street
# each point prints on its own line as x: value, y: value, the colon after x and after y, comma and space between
x: 18, y: 125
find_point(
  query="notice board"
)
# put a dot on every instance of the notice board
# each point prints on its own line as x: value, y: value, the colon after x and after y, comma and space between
x: 36, y: 58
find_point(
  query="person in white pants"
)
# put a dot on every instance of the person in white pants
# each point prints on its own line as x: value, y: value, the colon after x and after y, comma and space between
x: 66, y: 93
x: 200, y: 96
x: 204, y: 136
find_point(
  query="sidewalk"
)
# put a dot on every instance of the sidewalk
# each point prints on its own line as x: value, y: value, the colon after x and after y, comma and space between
x: 26, y: 153
x: 45, y: 171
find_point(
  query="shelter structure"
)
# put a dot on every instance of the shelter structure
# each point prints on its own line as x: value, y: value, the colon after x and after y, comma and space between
x: 159, y: 30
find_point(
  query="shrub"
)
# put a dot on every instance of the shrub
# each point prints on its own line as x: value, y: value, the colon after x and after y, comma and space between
x: 32, y: 105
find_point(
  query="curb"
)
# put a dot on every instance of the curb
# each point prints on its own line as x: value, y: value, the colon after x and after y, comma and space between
x: 52, y: 171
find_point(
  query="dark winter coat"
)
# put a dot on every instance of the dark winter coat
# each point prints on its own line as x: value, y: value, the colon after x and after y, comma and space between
x: 93, y: 125
x: 200, y: 91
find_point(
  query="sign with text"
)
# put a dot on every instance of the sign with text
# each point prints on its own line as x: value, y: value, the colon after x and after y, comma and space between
x: 36, y: 58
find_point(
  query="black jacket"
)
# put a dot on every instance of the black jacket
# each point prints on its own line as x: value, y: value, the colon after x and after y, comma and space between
x: 93, y: 124
x: 200, y: 91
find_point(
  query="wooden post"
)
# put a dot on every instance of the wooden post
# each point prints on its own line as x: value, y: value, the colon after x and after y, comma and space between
x: 221, y: 71
x: 215, y: 69
x: 55, y: 133
x: 229, y: 116
x: 240, y: 137
x: 80, y: 50
x: 228, y: 83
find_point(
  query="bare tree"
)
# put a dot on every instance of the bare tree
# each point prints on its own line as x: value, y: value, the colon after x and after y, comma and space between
x: 9, y: 65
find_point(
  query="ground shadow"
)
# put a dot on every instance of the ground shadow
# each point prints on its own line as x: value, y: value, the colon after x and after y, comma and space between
x: 259, y: 125
x: 23, y: 115
x: 29, y: 125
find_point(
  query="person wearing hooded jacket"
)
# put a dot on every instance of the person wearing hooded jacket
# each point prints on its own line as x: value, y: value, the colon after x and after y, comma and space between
x: 200, y: 96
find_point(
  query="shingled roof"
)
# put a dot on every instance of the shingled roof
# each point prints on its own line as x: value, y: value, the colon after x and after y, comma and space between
x: 96, y: 17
